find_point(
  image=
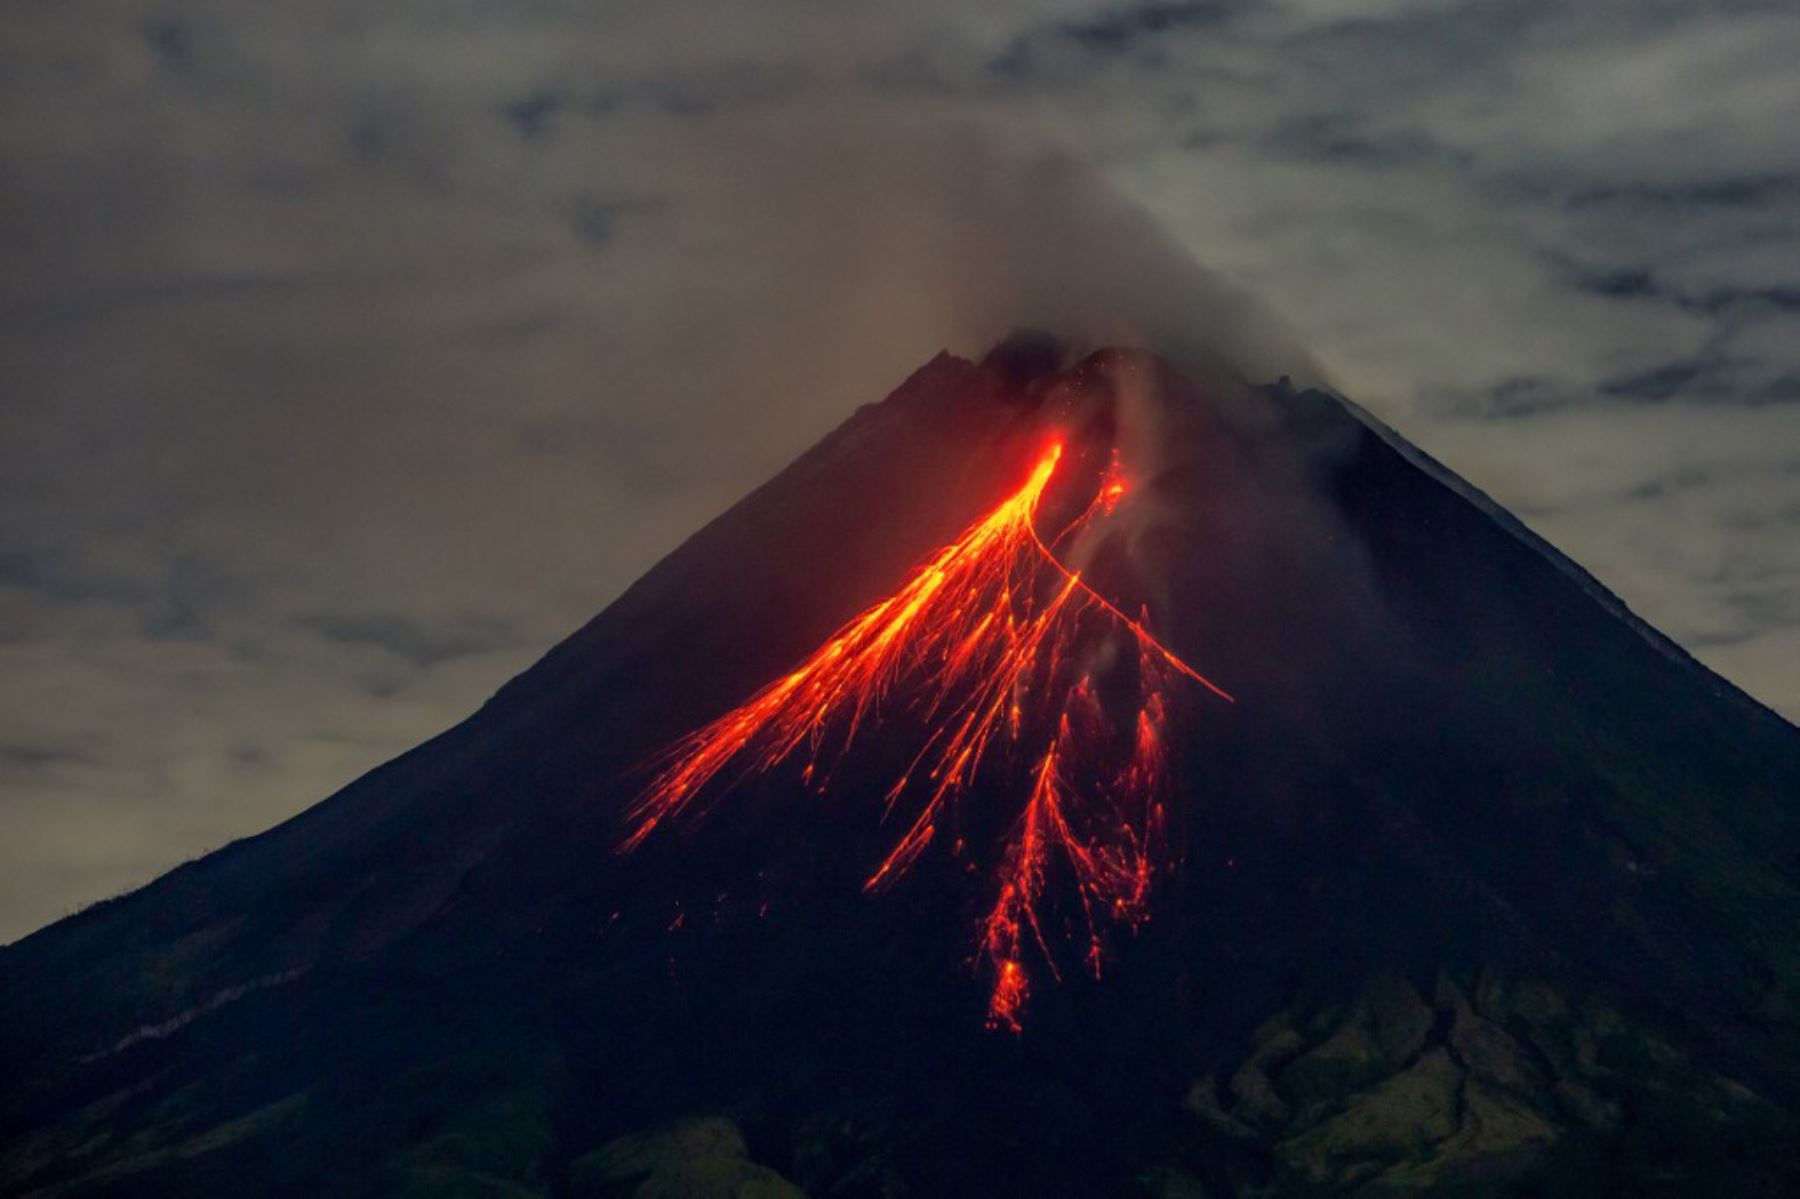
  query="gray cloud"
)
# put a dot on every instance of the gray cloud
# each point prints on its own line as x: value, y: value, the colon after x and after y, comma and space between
x: 408, y: 639
x: 350, y: 352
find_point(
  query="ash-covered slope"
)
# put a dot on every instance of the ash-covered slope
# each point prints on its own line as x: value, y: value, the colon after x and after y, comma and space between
x: 1474, y: 886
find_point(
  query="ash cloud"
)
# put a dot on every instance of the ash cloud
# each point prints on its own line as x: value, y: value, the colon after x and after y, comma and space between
x: 911, y: 235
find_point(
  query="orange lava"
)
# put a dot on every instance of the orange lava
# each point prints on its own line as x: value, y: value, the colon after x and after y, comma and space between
x: 987, y: 642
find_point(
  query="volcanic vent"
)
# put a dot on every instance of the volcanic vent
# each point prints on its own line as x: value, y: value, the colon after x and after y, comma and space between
x: 1408, y: 860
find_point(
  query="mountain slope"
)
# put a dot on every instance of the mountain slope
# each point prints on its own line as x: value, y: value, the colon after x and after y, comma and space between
x: 1474, y: 885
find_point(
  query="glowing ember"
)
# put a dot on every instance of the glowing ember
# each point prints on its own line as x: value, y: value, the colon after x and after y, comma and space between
x: 988, y: 638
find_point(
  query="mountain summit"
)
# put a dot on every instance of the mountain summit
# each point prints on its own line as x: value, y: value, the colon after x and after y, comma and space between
x: 1069, y: 777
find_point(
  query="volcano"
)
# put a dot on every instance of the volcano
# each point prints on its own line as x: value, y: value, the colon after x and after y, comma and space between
x: 1073, y: 776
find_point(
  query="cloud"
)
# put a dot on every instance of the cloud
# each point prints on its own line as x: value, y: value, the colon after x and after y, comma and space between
x: 407, y: 639
x: 351, y: 352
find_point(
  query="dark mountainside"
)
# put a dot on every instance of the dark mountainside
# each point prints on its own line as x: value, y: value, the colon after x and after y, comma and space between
x: 1483, y: 887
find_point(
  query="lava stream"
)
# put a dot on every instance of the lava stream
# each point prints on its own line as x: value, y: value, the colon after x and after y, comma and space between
x: 987, y: 637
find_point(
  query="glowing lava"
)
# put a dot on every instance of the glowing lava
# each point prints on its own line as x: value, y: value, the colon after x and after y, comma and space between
x: 991, y: 641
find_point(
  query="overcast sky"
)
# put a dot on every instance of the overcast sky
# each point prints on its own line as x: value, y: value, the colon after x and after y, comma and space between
x: 352, y: 354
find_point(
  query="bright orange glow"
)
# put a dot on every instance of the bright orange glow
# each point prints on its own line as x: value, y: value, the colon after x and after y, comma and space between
x: 991, y: 638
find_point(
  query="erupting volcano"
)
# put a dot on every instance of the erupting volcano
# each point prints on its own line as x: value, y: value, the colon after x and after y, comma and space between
x: 993, y: 636
x: 1416, y: 863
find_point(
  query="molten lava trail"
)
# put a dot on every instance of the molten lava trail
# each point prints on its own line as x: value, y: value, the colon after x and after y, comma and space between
x: 986, y: 641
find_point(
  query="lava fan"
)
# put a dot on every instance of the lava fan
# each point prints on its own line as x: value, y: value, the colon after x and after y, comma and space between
x: 1008, y: 662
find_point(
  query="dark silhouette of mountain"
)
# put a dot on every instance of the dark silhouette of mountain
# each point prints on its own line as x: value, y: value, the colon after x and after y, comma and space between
x: 1480, y: 886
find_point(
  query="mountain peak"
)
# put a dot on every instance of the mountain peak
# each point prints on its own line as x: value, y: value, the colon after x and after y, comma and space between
x: 1025, y: 355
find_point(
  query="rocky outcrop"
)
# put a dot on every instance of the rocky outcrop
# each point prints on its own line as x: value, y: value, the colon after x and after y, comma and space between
x: 1397, y: 1092
x: 695, y: 1159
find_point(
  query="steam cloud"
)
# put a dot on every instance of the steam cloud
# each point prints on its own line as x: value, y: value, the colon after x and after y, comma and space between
x: 877, y: 241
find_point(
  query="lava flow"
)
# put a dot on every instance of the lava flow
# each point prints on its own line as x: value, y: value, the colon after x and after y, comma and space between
x: 992, y: 640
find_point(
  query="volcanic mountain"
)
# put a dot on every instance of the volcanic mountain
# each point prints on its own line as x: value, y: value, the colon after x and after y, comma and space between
x: 1069, y: 777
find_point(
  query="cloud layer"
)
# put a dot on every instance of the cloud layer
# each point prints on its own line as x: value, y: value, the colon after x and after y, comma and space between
x: 352, y: 356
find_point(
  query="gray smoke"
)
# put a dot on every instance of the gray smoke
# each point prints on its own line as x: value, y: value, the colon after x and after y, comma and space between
x: 870, y: 242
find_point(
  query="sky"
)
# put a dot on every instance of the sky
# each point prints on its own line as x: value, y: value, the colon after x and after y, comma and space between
x: 351, y: 355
